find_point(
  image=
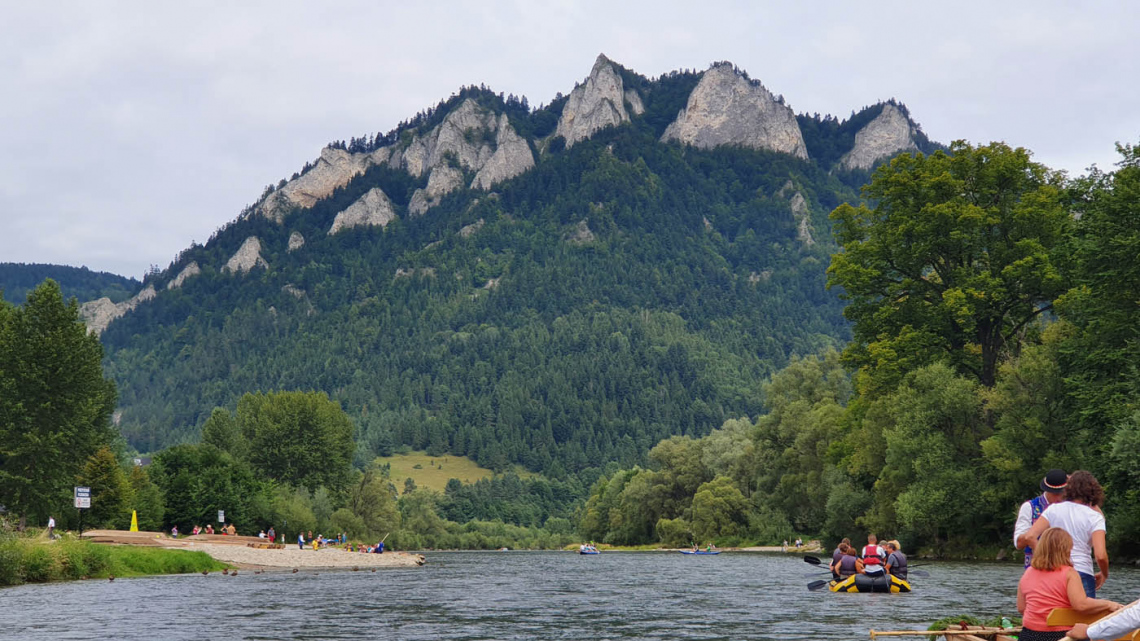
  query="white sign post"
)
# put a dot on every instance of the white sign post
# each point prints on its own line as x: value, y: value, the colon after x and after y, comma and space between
x: 221, y: 516
x: 82, y: 502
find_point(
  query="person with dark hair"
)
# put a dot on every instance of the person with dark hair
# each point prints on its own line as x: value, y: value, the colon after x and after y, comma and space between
x: 848, y: 563
x: 1050, y: 582
x: 1052, y: 490
x: 836, y: 554
x: 1079, y: 515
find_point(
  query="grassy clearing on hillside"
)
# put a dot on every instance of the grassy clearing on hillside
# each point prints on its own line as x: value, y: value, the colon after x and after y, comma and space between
x: 31, y: 560
x: 434, y: 471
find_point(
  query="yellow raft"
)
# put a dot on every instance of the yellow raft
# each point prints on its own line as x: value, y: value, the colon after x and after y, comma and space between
x: 866, y: 583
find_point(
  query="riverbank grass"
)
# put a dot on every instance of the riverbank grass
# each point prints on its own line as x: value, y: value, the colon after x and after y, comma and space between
x: 37, y: 561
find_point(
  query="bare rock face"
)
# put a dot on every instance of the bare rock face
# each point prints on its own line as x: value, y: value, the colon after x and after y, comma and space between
x: 593, y: 105
x: 467, y: 230
x: 190, y: 270
x: 333, y: 169
x: 246, y: 258
x: 726, y: 108
x: 373, y: 209
x: 634, y: 100
x: 889, y: 134
x: 512, y: 157
x: 442, y: 181
x: 296, y: 241
x: 475, y: 139
x: 582, y: 233
x: 803, y: 219
x: 98, y: 314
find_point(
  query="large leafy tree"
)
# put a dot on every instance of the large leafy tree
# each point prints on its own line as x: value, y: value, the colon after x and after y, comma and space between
x: 300, y: 438
x: 55, y: 405
x: 951, y: 259
x: 111, y: 493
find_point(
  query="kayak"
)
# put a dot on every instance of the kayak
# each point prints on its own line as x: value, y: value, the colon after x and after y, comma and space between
x: 699, y: 551
x: 867, y: 583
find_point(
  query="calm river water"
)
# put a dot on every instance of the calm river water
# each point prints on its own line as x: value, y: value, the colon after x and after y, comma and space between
x: 514, y: 595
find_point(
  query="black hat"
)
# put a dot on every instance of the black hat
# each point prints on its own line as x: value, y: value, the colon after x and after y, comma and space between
x: 1054, y: 481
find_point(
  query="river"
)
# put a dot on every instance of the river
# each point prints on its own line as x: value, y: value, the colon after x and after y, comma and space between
x: 514, y: 595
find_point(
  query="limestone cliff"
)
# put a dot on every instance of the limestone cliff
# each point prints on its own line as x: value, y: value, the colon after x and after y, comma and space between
x: 98, y: 314
x: 726, y: 108
x: 371, y: 209
x: 333, y: 169
x: 890, y: 133
x: 246, y: 258
x: 593, y: 105
x: 476, y: 140
x: 190, y: 270
x: 634, y: 100
x: 803, y: 219
x: 296, y: 241
x: 512, y: 157
x: 442, y: 181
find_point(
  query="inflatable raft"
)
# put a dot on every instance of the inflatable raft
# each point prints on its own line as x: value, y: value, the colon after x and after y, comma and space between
x: 867, y: 583
x: 700, y: 551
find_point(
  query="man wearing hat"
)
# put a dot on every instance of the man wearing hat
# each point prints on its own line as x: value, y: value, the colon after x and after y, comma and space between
x: 1052, y: 490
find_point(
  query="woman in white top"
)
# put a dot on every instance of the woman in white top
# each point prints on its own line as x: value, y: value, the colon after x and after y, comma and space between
x: 1079, y: 515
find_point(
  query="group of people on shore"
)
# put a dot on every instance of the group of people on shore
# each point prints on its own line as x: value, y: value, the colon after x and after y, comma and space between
x: 872, y: 559
x: 1066, y: 561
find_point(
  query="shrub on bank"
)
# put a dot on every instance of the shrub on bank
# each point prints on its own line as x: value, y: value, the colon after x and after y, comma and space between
x: 24, y: 560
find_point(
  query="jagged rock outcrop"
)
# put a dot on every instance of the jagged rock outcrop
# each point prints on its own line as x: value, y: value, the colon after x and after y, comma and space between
x: 726, y: 108
x: 890, y: 133
x: 246, y: 258
x: 99, y: 313
x: 582, y: 233
x: 475, y: 139
x: 293, y: 291
x: 333, y: 169
x: 467, y: 230
x: 296, y: 241
x: 803, y: 219
x: 372, y: 209
x: 442, y: 181
x: 593, y: 105
x: 634, y: 100
x: 190, y: 270
x: 512, y: 157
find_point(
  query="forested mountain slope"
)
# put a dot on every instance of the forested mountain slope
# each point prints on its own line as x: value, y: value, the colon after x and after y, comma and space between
x: 560, y: 287
x: 17, y: 279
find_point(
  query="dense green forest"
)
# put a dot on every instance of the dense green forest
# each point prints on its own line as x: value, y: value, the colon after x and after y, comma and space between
x: 17, y: 279
x: 995, y: 337
x: 523, y: 342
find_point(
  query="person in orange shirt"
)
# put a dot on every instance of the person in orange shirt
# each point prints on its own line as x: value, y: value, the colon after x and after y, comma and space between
x: 1051, y: 582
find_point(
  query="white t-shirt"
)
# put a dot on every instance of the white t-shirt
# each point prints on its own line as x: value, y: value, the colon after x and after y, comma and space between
x: 1080, y: 521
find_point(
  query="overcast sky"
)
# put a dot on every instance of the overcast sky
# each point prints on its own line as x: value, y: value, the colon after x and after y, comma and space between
x: 129, y: 130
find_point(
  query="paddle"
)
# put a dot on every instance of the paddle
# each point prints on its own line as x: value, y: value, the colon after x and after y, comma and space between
x: 815, y: 560
x: 818, y: 585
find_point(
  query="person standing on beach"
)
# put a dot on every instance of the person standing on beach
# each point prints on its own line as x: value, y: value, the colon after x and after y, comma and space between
x: 301, y: 540
x: 51, y: 527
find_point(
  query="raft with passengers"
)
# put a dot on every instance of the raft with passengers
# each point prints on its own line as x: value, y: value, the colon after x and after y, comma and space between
x: 875, y: 568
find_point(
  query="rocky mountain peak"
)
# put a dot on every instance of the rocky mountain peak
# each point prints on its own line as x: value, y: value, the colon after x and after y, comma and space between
x: 593, y: 105
x: 890, y: 133
x: 726, y: 108
x: 372, y: 209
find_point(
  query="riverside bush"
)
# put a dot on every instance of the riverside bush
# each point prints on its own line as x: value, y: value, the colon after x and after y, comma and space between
x: 30, y: 561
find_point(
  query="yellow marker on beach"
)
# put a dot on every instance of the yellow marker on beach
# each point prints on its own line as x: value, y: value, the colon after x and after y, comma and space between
x: 134, y: 521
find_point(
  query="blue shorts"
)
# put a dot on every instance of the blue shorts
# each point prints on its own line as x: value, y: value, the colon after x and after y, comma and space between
x: 1089, y: 581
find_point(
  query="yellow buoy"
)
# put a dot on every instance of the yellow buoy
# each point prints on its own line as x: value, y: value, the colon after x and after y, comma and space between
x: 134, y: 521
